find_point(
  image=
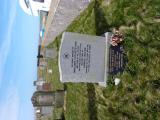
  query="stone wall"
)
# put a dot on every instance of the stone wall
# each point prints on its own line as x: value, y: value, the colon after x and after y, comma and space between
x: 62, y: 13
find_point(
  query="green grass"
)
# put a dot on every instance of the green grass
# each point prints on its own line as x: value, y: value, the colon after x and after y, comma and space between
x: 54, y: 77
x: 137, y: 96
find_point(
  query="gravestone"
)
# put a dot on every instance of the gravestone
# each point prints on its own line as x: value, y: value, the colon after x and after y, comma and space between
x: 82, y: 58
x: 39, y: 82
x: 50, y: 98
x: 42, y: 63
x: 117, y: 59
x: 47, y: 111
x: 40, y: 79
x: 50, y: 53
x: 42, y: 67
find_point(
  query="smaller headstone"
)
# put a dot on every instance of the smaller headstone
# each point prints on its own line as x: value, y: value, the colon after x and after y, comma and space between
x: 39, y: 83
x: 40, y: 79
x: 46, y: 87
x: 39, y: 88
x: 43, y: 63
x: 50, y: 53
x: 117, y: 60
x: 47, y: 111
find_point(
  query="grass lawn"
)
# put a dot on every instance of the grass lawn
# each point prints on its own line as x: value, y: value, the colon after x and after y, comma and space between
x: 137, y: 97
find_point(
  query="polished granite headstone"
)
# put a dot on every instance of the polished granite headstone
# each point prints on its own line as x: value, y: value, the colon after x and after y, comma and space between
x: 117, y: 59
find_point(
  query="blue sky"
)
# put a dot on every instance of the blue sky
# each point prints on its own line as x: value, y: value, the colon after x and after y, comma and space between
x: 18, y: 50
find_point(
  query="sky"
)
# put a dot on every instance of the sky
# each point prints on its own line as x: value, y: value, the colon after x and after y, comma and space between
x: 19, y: 35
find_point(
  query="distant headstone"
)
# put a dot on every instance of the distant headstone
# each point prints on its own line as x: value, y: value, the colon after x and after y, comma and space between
x: 82, y: 58
x: 40, y: 79
x: 43, y: 63
x: 39, y: 82
x: 46, y: 87
x: 41, y: 67
x: 50, y: 53
x: 47, y: 111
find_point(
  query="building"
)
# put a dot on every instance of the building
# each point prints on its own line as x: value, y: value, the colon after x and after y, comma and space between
x: 83, y: 58
x: 34, y: 7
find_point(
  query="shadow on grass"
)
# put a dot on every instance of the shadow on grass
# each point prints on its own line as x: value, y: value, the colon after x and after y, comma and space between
x: 101, y: 27
x: 65, y: 87
x: 62, y: 116
x: 153, y: 84
x: 100, y: 20
x: 92, y: 108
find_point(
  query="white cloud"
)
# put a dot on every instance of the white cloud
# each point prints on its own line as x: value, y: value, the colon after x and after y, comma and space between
x: 6, y: 44
x: 9, y: 109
